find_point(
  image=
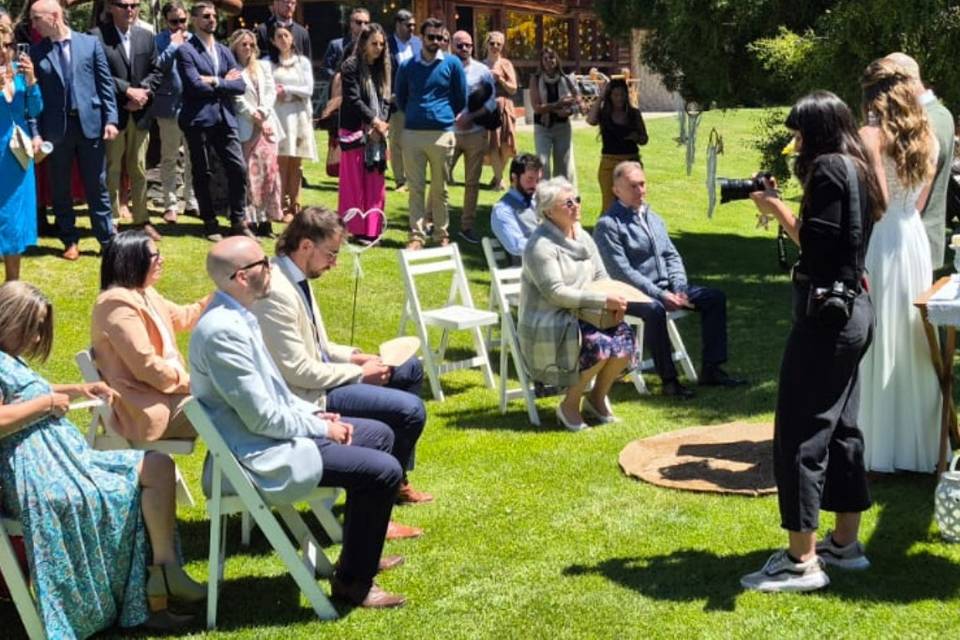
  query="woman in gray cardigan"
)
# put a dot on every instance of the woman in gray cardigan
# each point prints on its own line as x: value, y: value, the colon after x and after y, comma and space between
x: 560, y: 260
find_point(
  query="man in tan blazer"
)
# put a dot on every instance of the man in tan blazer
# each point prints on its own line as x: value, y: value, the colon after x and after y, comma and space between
x: 134, y: 345
x: 340, y: 379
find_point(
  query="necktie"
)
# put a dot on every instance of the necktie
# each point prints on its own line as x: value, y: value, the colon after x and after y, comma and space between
x: 305, y: 287
x: 67, y: 71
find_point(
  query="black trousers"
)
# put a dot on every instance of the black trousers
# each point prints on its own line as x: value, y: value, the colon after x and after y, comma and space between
x: 817, y: 445
x: 371, y: 476
x: 711, y: 304
x: 225, y: 143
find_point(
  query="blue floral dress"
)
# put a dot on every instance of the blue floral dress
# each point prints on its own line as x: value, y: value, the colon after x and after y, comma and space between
x: 80, y: 510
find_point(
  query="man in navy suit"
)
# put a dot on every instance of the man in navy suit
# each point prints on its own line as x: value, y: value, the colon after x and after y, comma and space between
x: 165, y: 107
x: 211, y: 78
x: 132, y: 56
x: 79, y: 115
x: 340, y: 48
x: 403, y: 45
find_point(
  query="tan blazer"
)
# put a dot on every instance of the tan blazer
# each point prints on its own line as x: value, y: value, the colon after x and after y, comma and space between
x: 128, y: 351
x: 288, y: 334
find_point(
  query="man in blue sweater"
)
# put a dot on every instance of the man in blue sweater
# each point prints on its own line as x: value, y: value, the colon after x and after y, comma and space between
x: 431, y: 90
x: 636, y: 249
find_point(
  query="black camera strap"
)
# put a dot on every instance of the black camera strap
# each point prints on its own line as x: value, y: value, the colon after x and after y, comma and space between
x: 851, y: 272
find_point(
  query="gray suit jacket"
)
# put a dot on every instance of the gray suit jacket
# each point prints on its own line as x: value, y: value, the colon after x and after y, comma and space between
x: 935, y: 212
x: 268, y: 429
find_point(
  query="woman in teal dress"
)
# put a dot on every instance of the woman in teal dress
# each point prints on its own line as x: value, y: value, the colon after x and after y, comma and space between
x: 87, y: 516
x: 18, y: 191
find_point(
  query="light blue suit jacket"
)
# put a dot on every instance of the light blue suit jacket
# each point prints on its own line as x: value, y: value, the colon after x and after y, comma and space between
x: 267, y: 428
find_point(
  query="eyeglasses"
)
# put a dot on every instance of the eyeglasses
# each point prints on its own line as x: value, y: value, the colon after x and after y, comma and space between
x: 434, y: 37
x: 571, y: 203
x: 263, y: 262
x: 176, y: 20
x: 154, y: 257
x: 464, y: 45
x: 445, y: 39
x: 129, y: 6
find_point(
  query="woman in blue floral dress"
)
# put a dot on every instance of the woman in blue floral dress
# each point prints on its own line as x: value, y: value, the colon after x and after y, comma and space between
x: 87, y: 515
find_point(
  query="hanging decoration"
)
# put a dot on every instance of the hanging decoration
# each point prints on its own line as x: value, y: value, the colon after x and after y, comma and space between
x: 356, y: 250
x: 714, y: 149
x: 693, y: 113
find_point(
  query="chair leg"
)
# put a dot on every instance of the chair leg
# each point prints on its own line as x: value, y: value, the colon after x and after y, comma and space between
x: 482, y: 352
x: 328, y: 521
x: 217, y: 554
x: 184, y: 497
x: 246, y: 526
x: 504, y: 371
x: 680, y: 353
x: 636, y: 375
x: 312, y: 555
x: 404, y: 316
x: 20, y: 589
x: 433, y: 373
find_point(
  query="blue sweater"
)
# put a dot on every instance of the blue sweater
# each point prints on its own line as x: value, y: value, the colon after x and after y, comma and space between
x: 431, y: 95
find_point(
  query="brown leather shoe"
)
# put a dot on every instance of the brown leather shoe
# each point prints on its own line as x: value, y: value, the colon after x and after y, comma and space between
x: 397, y: 531
x: 71, y: 253
x: 170, y: 216
x: 373, y: 598
x: 415, y: 245
x: 152, y: 232
x: 386, y: 563
x: 406, y: 494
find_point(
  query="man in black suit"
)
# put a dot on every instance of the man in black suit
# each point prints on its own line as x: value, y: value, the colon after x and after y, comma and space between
x: 211, y: 81
x: 282, y: 15
x: 340, y: 48
x: 132, y: 56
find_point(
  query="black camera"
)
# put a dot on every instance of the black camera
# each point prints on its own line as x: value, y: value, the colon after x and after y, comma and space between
x: 733, y: 189
x: 832, y: 305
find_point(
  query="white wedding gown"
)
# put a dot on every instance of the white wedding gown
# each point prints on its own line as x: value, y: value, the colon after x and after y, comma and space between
x: 900, y: 398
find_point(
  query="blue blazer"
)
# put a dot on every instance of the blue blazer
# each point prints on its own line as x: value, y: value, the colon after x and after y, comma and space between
x: 204, y: 105
x: 166, y: 98
x: 92, y: 87
x: 268, y: 429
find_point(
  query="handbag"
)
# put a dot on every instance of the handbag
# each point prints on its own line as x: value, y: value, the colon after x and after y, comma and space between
x: 600, y: 318
x: 21, y: 146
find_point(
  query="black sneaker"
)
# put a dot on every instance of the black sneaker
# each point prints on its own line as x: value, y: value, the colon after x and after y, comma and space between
x: 469, y: 236
x: 241, y: 229
x: 674, y: 388
x: 714, y: 376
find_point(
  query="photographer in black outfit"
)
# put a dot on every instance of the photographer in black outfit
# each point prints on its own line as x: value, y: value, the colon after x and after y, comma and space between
x: 818, y: 447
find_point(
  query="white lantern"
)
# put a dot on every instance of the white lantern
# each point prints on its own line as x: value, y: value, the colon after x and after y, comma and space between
x: 947, y: 503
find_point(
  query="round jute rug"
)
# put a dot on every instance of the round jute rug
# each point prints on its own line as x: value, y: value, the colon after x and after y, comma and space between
x: 725, y: 458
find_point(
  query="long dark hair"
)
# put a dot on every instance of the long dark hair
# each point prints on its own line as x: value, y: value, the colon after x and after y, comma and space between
x: 606, y: 105
x: 126, y: 261
x: 826, y: 125
x: 379, y: 71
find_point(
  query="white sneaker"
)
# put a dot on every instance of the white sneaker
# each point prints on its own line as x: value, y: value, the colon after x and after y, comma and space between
x: 780, y: 573
x: 850, y: 556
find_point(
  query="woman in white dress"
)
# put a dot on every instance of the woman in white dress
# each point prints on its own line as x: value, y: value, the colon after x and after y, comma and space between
x: 293, y: 76
x: 900, y: 398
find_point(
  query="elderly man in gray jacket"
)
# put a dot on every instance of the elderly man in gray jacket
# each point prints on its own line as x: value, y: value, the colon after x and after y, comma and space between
x: 636, y: 249
x: 286, y: 445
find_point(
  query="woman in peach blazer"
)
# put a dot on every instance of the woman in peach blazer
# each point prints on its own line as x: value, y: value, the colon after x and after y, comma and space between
x: 134, y: 344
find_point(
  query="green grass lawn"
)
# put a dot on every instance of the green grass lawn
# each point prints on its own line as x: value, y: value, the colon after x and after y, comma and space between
x: 536, y: 533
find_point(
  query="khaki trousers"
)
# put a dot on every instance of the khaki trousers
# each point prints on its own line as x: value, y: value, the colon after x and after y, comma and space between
x: 474, y: 147
x: 171, y: 139
x: 131, y: 143
x: 397, y: 120
x: 422, y: 148
x: 605, y: 176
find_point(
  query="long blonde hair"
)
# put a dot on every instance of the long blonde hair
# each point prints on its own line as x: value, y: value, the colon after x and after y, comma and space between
x: 252, y: 66
x: 888, y: 92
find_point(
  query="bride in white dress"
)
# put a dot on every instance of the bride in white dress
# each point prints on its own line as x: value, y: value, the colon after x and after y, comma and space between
x: 900, y: 398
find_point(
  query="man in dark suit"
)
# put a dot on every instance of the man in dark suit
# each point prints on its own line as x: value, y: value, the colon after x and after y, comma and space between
x: 132, y: 56
x: 211, y: 79
x: 282, y: 14
x: 403, y: 45
x: 79, y: 115
x: 340, y: 48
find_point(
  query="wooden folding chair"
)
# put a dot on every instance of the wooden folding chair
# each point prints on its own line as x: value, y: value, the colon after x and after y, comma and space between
x: 458, y: 314
x: 303, y: 569
x: 17, y: 583
x: 103, y: 436
x: 679, y: 353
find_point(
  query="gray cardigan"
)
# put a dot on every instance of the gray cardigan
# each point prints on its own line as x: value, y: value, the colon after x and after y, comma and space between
x: 555, y: 271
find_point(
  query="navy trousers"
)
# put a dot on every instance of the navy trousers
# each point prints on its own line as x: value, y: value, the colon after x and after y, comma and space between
x: 92, y: 161
x: 711, y: 304
x: 371, y: 477
x: 397, y: 404
x: 224, y: 142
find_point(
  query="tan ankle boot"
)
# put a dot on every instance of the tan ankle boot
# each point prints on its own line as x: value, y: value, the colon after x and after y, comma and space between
x: 170, y: 580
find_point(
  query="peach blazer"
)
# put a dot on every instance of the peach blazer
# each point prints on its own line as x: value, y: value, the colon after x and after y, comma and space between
x: 128, y: 350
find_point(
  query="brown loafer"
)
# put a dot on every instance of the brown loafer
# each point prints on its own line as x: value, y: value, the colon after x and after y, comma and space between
x: 71, y: 253
x: 406, y: 494
x: 372, y: 598
x: 170, y: 216
x: 397, y: 531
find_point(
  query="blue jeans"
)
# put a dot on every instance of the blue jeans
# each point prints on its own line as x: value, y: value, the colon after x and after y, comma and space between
x: 398, y: 405
x: 91, y: 158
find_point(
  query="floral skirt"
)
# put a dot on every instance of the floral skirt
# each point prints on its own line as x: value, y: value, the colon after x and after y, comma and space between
x: 602, y: 344
x: 263, y: 179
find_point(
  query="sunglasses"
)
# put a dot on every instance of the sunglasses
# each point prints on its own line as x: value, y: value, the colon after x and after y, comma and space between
x: 361, y: 23
x: 571, y: 203
x: 434, y: 37
x: 129, y: 6
x: 176, y: 21
x: 494, y: 43
x: 263, y: 262
x: 464, y: 45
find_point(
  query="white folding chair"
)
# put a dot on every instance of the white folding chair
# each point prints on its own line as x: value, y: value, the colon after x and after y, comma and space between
x: 679, y: 353
x: 303, y: 569
x: 497, y: 258
x: 458, y: 314
x: 16, y: 581
x: 103, y: 436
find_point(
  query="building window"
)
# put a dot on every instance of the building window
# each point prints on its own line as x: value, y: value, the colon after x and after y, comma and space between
x: 593, y: 43
x: 521, y: 36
